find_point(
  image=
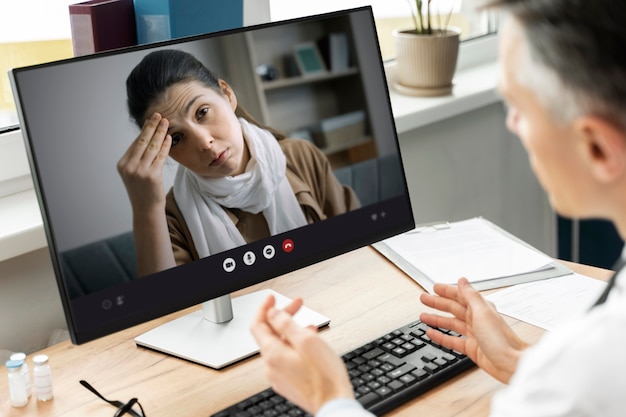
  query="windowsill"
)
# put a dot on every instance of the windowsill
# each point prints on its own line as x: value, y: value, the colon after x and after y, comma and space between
x: 473, y: 88
x: 21, y: 226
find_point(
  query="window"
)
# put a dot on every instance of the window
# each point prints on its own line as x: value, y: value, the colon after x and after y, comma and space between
x: 31, y: 32
x: 392, y: 14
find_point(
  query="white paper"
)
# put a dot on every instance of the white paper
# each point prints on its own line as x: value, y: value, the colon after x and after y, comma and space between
x: 468, y: 248
x: 549, y: 302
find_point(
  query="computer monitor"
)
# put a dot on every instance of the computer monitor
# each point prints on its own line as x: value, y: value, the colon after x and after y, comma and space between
x: 318, y: 79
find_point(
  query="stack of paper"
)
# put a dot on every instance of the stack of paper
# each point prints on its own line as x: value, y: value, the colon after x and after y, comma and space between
x: 548, y: 303
x: 477, y: 249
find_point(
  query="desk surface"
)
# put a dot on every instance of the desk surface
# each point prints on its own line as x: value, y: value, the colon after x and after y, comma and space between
x: 363, y: 294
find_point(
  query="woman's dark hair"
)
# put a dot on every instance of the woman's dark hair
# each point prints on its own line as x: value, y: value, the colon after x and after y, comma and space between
x: 162, y: 69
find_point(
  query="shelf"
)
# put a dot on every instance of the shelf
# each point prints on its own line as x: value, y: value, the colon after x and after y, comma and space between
x: 302, y: 80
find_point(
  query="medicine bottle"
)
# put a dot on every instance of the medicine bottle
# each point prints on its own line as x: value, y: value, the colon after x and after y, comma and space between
x: 42, y: 378
x: 17, y: 385
x: 19, y: 356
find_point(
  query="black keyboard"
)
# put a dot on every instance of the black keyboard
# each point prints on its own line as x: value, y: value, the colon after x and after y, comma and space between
x: 385, y: 373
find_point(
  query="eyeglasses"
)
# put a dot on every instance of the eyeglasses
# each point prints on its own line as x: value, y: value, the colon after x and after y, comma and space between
x: 132, y: 407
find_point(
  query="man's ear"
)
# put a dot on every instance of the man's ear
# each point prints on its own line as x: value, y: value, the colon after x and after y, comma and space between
x: 228, y: 93
x: 604, y: 145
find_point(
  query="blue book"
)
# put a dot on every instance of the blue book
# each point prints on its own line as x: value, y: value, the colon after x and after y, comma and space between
x: 159, y: 20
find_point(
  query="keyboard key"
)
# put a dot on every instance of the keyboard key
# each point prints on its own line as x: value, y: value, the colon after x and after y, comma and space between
x: 389, y: 346
x: 359, y: 360
x: 374, y: 385
x: 420, y: 374
x: 374, y: 353
x: 364, y: 368
x: 363, y: 389
x: 431, y: 367
x: 368, y: 399
x: 441, y: 362
x: 408, y: 379
x: 383, y: 380
x: 384, y: 391
x: 418, y: 333
x: 408, y: 346
x: 449, y: 358
x: 367, y: 377
x: 396, y: 385
x: 400, y: 352
x: 428, y: 357
x: 398, y: 372
x: 397, y: 341
x: 374, y: 363
x: 392, y: 360
x: 387, y: 367
x: 254, y: 410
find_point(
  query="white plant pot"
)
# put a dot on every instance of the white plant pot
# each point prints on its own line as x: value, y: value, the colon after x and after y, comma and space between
x: 425, y: 64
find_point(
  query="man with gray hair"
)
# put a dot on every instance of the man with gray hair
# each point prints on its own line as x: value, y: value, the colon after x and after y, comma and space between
x: 563, y: 77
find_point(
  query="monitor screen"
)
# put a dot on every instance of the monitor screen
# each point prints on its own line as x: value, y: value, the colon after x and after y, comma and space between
x: 290, y: 158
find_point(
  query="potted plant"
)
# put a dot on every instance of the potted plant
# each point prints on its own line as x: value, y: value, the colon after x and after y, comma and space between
x: 426, y: 54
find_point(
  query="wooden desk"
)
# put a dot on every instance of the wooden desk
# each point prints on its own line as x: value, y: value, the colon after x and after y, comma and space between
x: 363, y: 294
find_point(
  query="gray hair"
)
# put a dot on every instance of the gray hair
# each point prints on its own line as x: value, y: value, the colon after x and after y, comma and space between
x: 563, y: 102
x: 576, y: 60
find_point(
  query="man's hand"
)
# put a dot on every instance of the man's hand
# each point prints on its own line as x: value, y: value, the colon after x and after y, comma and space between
x: 298, y: 363
x: 488, y: 340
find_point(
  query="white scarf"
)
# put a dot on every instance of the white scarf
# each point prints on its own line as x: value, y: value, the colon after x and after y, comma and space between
x: 263, y: 187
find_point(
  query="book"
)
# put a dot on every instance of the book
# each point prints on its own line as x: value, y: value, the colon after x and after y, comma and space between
x: 488, y: 256
x: 159, y: 20
x: 334, y: 50
x: 100, y: 25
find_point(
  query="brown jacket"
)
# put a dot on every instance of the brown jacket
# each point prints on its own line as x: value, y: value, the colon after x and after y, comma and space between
x: 317, y: 190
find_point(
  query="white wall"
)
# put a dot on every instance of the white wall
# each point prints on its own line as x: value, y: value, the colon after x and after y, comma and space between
x: 30, y: 306
x: 470, y: 165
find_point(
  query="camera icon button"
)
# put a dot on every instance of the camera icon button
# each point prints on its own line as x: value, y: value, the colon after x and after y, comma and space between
x: 229, y: 264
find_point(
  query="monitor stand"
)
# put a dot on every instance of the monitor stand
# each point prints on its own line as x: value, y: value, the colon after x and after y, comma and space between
x: 219, y: 343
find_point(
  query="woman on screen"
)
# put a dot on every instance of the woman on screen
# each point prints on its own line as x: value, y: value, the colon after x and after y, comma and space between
x: 237, y: 181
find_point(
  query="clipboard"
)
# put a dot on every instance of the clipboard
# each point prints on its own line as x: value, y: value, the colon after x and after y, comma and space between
x: 487, y: 255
